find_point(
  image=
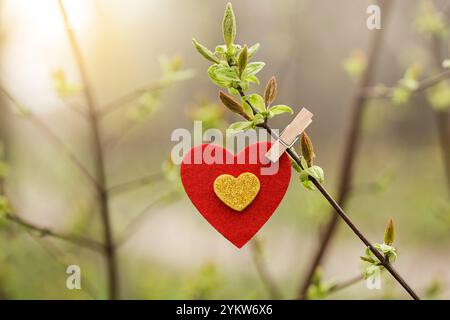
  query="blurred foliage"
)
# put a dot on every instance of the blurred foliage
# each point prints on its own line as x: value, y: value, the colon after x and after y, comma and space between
x: 405, y: 87
x: 355, y: 64
x: 210, y: 114
x: 439, y: 96
x: 148, y: 102
x: 63, y: 88
x: 205, y: 283
x: 430, y: 21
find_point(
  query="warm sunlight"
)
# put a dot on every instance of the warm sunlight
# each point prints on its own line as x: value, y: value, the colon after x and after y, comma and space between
x: 36, y: 44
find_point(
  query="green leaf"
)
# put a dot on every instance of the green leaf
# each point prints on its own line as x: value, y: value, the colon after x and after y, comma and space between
x: 304, y: 179
x: 279, y: 109
x: 227, y: 73
x: 229, y: 25
x: 317, y: 173
x: 221, y: 75
x: 243, y: 59
x: 252, y: 69
x: 239, y: 126
x: 253, y: 79
x: 252, y: 50
x: 205, y: 52
x: 256, y: 101
x: 258, y: 119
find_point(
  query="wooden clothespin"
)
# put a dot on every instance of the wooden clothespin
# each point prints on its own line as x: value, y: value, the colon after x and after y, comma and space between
x: 290, y: 135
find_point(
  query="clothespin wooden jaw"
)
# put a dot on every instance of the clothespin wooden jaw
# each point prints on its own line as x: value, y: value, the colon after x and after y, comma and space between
x: 290, y: 135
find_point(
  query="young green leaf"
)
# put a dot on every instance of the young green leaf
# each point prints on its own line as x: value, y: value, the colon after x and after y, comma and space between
x: 317, y: 173
x: 258, y: 119
x: 229, y: 26
x: 243, y: 59
x: 304, y: 179
x: 256, y: 101
x: 205, y: 52
x: 279, y: 109
x: 239, y: 126
x: 252, y: 69
x: 389, y: 234
x: 252, y: 50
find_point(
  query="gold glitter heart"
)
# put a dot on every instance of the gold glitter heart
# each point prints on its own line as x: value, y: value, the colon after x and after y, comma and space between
x: 237, y: 193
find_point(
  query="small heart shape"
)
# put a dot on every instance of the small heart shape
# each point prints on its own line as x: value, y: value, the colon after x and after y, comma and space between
x: 237, y: 193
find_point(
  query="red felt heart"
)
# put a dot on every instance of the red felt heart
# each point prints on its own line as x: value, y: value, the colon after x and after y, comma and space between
x: 198, y: 173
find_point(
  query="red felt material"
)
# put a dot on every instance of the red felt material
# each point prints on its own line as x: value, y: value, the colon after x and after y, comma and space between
x: 198, y: 180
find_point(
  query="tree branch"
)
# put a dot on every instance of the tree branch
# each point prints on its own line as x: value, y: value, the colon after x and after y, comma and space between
x: 99, y: 163
x: 340, y: 213
x: 52, y: 138
x: 137, y: 220
x: 350, y: 150
x: 136, y: 183
x: 44, y: 232
x: 374, y: 92
x: 261, y: 268
x: 126, y: 98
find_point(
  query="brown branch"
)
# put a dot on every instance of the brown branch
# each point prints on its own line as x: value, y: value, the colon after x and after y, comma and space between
x: 350, y: 150
x: 44, y: 232
x: 340, y: 213
x: 52, y: 138
x: 442, y: 117
x: 136, y: 183
x: 99, y: 163
x: 261, y: 268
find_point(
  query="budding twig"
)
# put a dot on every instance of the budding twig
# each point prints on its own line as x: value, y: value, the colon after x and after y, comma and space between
x: 343, y: 215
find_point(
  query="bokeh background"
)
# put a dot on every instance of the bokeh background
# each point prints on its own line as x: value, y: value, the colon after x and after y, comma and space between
x: 172, y: 252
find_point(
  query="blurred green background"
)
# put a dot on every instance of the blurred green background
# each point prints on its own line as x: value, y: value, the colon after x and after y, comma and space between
x: 173, y: 252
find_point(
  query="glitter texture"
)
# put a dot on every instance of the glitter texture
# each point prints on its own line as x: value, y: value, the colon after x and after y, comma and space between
x: 237, y: 193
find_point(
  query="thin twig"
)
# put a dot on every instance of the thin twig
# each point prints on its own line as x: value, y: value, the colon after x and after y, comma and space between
x: 136, y: 183
x: 376, y: 92
x: 126, y: 98
x: 345, y: 284
x: 261, y: 268
x: 44, y: 232
x: 137, y: 220
x: 59, y: 256
x: 350, y: 150
x: 52, y: 138
x: 99, y: 163
x: 340, y: 212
